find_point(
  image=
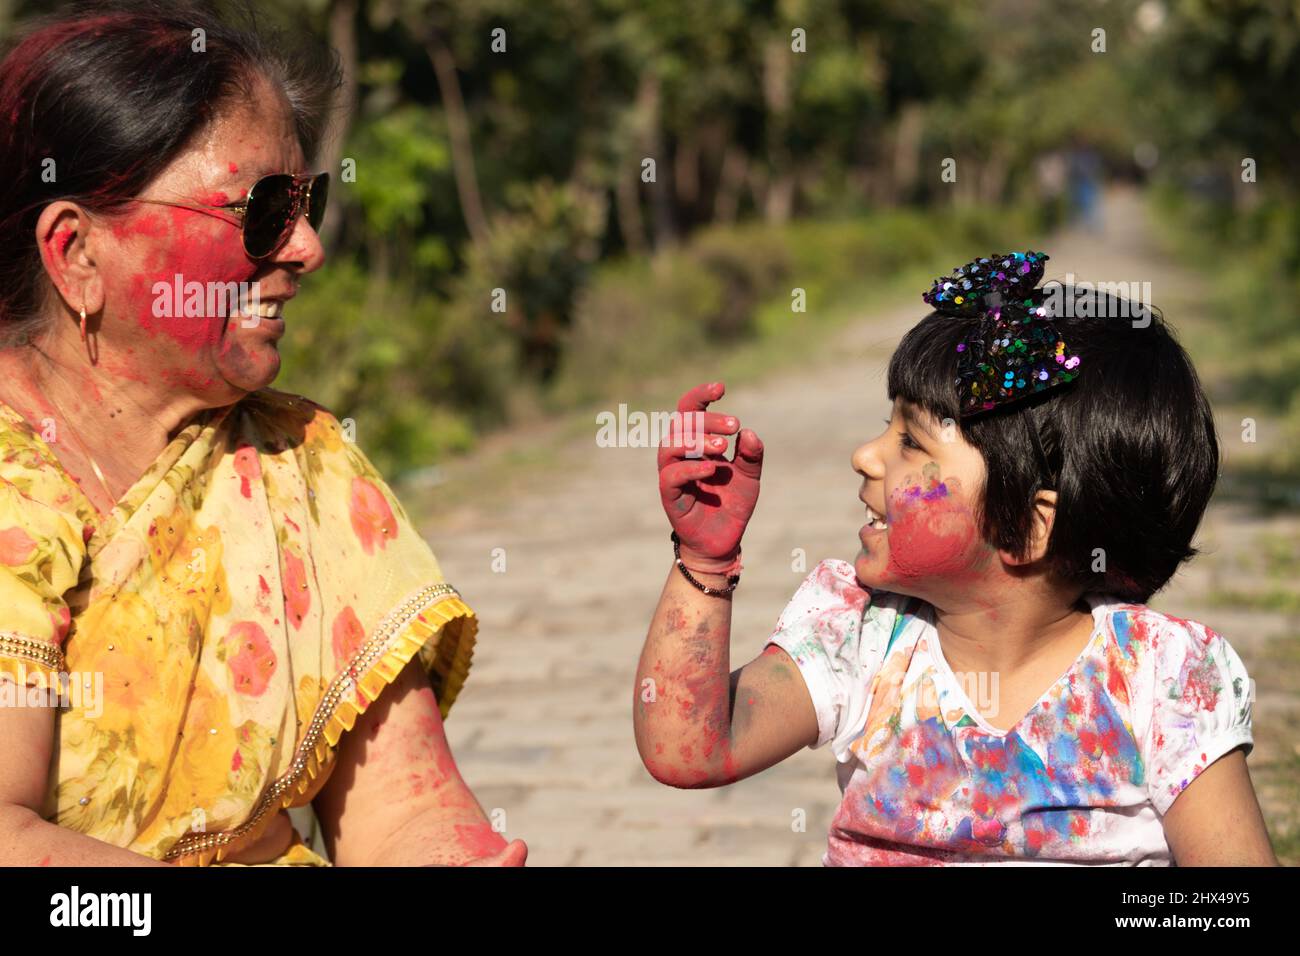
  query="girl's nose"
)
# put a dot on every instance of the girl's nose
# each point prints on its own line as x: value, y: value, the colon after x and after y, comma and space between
x: 866, y: 461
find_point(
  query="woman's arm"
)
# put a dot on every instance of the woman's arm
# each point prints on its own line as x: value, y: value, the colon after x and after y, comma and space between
x: 396, y: 798
x: 26, y: 748
x: 1216, y: 820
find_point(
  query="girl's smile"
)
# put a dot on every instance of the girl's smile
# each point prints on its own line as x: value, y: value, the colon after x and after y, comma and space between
x: 922, y: 531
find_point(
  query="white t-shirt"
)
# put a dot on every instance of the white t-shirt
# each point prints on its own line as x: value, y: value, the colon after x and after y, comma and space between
x: 1083, y: 778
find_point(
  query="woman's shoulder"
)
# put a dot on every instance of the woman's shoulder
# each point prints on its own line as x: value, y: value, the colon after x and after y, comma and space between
x: 278, y: 404
x: 29, y: 468
x: 287, y: 419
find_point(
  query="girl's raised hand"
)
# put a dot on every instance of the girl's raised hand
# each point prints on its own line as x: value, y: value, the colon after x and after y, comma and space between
x: 709, y: 499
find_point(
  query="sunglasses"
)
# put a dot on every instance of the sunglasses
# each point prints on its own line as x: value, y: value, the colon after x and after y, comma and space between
x: 271, y: 208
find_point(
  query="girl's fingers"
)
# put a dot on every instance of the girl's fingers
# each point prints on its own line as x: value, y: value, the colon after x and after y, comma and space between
x: 710, y: 446
x: 698, y: 398
x: 673, y: 477
x: 694, y: 425
x: 748, y: 459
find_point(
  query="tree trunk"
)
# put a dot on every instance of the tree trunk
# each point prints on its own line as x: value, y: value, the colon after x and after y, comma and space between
x: 686, y: 171
x: 462, y: 150
x: 651, y: 138
x: 779, y: 193
x: 907, y: 150
x: 993, y: 178
x: 343, y: 37
x: 731, y: 179
x: 627, y: 200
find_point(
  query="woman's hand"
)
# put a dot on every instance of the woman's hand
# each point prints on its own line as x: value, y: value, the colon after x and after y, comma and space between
x: 515, y: 853
x: 709, y: 499
x: 271, y: 845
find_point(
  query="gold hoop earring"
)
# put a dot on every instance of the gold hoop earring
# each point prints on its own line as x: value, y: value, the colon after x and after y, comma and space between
x: 83, y: 325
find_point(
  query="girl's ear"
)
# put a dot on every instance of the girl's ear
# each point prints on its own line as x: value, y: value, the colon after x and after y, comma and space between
x: 1040, y: 531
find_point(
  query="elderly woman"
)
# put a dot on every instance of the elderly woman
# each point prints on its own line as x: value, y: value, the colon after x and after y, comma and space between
x: 229, y: 604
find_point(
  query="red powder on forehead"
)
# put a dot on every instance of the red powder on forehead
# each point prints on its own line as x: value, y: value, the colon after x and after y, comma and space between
x: 234, y: 167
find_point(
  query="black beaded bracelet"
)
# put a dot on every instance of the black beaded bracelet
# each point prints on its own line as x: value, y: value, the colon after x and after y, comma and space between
x: 732, y: 580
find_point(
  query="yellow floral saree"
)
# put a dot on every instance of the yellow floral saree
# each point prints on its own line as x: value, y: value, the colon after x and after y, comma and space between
x: 245, y: 601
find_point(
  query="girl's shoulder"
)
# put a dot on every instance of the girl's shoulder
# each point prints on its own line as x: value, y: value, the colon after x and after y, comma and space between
x: 1177, y: 669
x: 1189, y: 695
x: 1143, y: 633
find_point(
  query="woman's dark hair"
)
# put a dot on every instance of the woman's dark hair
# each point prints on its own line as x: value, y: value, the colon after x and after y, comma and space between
x: 1131, y: 442
x: 111, y: 92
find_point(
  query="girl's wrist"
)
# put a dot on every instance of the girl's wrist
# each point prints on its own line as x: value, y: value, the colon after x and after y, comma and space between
x: 724, y: 566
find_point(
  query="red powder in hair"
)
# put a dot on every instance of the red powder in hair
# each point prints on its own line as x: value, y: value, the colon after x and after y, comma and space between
x: 29, y: 63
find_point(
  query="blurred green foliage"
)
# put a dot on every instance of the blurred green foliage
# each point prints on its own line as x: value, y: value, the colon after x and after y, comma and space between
x: 1219, y: 95
x: 503, y: 249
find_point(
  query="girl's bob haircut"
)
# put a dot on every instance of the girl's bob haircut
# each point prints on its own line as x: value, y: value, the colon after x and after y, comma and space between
x: 1131, y: 442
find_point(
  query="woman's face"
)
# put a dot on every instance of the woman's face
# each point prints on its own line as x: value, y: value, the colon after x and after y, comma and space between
x: 150, y: 334
x: 922, y: 478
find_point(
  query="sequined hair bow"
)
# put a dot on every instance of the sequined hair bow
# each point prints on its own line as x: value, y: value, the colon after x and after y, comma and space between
x: 1016, y: 352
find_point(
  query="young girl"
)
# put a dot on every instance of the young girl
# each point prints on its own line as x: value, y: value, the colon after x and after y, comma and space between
x: 986, y: 671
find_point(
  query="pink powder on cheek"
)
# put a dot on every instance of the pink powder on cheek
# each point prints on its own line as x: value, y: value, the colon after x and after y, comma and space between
x: 200, y: 249
x: 932, y: 534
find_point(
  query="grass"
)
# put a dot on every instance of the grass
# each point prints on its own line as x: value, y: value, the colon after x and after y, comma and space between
x: 1275, y: 762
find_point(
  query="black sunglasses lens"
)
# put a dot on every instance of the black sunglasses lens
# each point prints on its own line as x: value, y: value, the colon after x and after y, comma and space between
x: 320, y: 191
x: 266, y: 219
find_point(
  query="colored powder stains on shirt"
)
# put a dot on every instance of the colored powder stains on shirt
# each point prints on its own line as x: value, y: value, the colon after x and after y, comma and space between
x: 1084, y: 776
x: 1200, y: 683
x: 961, y: 788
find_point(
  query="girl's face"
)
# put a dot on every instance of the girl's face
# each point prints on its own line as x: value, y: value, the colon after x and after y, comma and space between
x: 921, y: 486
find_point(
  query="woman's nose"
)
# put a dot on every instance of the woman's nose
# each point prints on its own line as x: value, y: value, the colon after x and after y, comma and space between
x: 303, y: 246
